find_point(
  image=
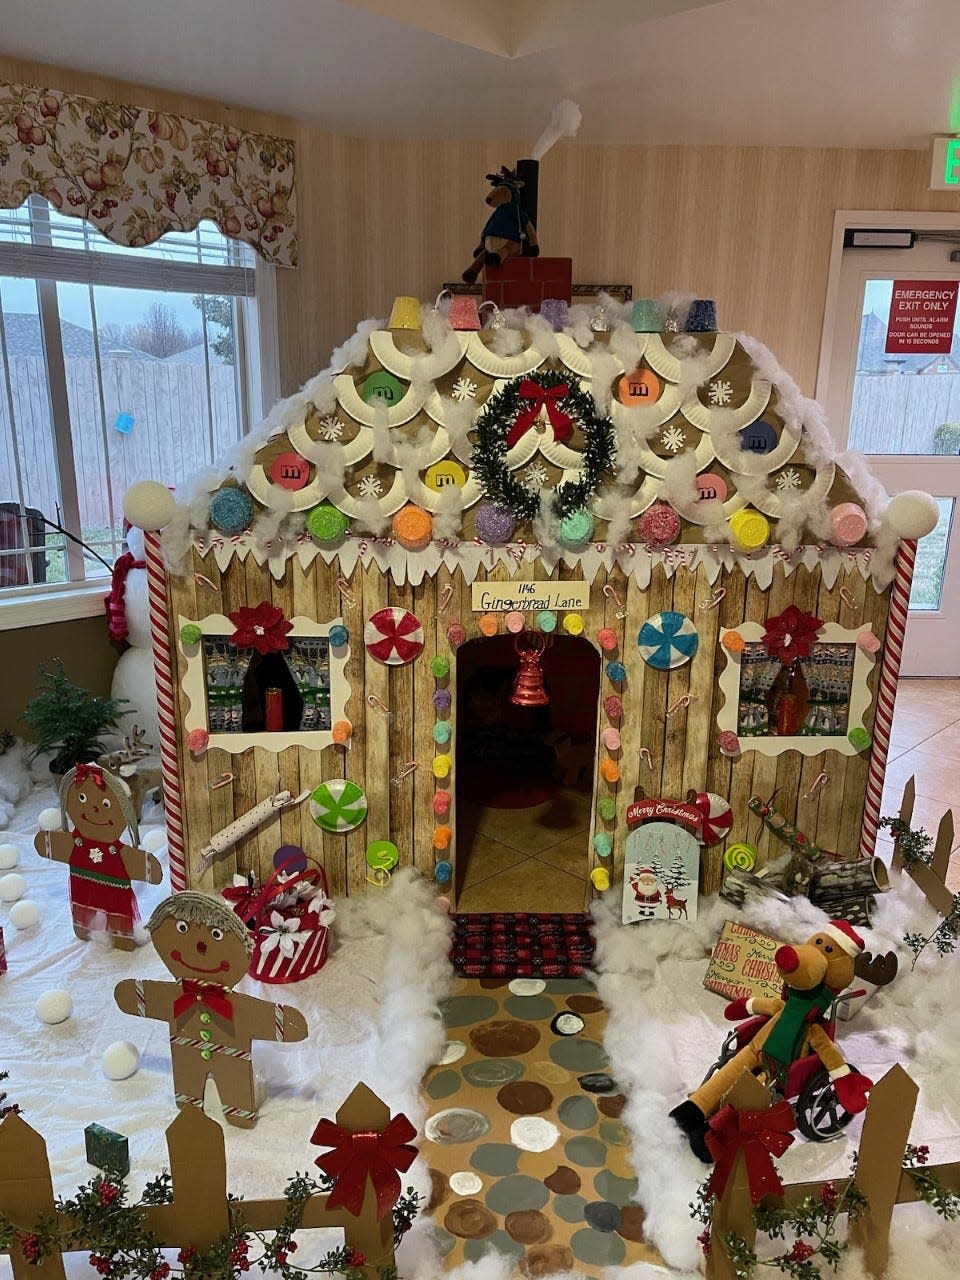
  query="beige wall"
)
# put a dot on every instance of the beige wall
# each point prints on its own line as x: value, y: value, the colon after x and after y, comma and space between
x: 88, y: 658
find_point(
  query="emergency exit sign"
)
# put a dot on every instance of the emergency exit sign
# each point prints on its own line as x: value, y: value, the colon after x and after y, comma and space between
x: 945, y: 167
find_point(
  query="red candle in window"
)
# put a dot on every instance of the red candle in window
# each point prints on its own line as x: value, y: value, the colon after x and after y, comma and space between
x: 274, y: 710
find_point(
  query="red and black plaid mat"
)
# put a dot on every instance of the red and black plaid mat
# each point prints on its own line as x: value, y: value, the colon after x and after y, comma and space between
x: 524, y: 945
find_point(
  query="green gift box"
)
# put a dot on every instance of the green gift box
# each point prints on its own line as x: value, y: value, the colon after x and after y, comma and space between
x: 107, y: 1150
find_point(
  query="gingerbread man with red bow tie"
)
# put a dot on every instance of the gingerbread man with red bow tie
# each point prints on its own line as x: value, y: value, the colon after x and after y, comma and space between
x: 207, y: 948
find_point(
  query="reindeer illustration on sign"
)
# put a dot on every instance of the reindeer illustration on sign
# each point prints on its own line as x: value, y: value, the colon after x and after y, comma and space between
x: 662, y: 860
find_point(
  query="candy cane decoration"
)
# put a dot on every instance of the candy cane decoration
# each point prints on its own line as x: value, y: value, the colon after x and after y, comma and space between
x: 887, y: 693
x: 166, y: 710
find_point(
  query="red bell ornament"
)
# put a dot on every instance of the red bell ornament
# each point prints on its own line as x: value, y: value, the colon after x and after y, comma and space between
x: 528, y: 690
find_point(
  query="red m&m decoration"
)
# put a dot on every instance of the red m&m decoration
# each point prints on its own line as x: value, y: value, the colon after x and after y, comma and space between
x: 290, y: 471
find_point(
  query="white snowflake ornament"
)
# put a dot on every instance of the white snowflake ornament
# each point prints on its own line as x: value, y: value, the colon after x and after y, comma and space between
x: 673, y: 439
x: 721, y: 392
x: 331, y: 428
x: 464, y: 389
x: 535, y: 476
x: 788, y: 480
x: 370, y: 487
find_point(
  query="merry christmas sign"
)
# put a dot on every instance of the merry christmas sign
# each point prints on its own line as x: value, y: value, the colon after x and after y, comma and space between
x: 661, y: 861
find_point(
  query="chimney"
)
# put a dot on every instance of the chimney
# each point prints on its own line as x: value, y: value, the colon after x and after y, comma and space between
x: 529, y: 173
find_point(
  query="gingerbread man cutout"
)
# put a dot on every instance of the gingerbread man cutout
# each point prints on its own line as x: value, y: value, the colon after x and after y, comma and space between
x: 97, y: 809
x: 207, y: 948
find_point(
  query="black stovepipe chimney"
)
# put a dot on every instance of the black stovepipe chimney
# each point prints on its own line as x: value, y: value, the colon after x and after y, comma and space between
x: 528, y: 171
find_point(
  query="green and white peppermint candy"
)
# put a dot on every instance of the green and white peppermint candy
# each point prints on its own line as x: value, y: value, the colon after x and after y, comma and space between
x: 338, y: 805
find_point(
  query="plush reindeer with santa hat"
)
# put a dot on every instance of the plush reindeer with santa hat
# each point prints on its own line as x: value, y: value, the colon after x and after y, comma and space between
x: 814, y: 973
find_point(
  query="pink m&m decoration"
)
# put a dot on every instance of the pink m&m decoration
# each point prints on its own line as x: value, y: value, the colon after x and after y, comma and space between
x: 290, y: 471
x: 659, y: 525
x: 848, y: 524
x: 607, y: 639
x: 711, y: 487
x: 514, y: 621
x: 611, y: 738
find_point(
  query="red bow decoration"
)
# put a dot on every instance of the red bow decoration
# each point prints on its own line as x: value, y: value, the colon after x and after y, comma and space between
x: 93, y: 772
x: 542, y: 397
x: 210, y: 994
x: 116, y: 609
x: 757, y: 1134
x: 357, y: 1156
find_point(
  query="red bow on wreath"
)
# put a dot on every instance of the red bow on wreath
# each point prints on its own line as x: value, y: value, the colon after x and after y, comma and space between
x: 757, y: 1134
x: 542, y: 397
x: 93, y: 772
x: 357, y: 1156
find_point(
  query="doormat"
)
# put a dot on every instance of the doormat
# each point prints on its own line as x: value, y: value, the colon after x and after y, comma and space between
x: 521, y: 945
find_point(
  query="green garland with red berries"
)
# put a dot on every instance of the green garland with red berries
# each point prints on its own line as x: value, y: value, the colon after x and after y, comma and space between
x: 493, y: 425
x: 100, y: 1219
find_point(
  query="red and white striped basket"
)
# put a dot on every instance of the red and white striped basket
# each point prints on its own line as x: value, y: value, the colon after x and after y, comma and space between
x: 289, y: 919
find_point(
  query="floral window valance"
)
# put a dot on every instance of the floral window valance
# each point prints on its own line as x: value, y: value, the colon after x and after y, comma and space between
x: 137, y: 174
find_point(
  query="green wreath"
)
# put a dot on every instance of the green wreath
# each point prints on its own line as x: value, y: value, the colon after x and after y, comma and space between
x: 500, y: 414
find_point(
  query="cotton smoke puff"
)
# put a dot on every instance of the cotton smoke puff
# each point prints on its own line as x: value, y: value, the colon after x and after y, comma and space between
x: 563, y: 123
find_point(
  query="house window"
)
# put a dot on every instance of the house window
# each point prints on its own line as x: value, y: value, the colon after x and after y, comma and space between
x: 116, y: 365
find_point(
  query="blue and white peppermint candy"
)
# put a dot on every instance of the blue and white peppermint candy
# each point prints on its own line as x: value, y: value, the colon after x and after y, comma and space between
x: 668, y: 640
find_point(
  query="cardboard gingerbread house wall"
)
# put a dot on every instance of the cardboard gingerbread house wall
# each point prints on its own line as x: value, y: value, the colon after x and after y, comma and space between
x: 666, y: 498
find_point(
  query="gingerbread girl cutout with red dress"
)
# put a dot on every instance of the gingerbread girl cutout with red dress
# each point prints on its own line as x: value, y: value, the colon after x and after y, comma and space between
x: 97, y: 809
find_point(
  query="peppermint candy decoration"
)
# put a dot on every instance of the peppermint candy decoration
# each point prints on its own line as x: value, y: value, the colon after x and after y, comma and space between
x: 668, y: 640
x: 717, y: 817
x: 393, y: 636
x: 338, y: 805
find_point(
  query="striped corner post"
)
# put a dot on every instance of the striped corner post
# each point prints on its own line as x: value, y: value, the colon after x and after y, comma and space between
x: 887, y: 694
x: 166, y: 708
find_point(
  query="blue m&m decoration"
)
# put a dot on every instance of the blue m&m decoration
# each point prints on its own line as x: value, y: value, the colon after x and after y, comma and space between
x: 759, y: 437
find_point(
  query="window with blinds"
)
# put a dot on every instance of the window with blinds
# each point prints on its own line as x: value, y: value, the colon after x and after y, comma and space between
x: 116, y: 364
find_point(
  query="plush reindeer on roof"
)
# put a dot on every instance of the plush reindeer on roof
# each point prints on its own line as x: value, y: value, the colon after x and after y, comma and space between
x: 507, y: 227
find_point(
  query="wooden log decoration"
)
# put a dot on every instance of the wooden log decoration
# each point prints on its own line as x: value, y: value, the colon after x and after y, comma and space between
x: 845, y: 890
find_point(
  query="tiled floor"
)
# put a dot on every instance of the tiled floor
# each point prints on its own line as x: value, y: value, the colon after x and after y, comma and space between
x: 537, y: 856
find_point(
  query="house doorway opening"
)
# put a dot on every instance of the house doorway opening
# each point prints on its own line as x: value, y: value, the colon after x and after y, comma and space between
x: 524, y: 778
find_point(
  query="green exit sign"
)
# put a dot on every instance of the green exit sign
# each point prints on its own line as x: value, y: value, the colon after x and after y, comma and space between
x: 945, y: 167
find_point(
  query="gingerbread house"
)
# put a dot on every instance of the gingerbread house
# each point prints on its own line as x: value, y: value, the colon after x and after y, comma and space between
x: 619, y: 510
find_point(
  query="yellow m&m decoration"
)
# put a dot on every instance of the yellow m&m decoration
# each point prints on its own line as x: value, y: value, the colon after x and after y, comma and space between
x: 750, y: 529
x: 445, y: 475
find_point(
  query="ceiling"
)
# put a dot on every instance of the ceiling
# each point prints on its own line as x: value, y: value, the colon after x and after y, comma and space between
x: 849, y: 73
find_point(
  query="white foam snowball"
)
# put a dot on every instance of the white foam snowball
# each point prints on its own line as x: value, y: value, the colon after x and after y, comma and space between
x: 50, y: 819
x: 120, y: 1060
x: 911, y: 514
x: 9, y: 856
x: 24, y: 914
x: 149, y: 504
x: 54, y: 1006
x: 12, y: 887
x: 154, y: 840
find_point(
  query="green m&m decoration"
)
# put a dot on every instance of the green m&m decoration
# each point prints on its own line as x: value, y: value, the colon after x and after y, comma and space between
x: 382, y: 388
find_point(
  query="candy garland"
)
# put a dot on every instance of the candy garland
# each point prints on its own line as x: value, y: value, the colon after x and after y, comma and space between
x: 442, y: 764
x: 509, y: 411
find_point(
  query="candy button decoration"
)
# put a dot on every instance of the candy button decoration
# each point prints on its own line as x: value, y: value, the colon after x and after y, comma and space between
x: 382, y: 855
x: 859, y: 739
x: 326, y: 524
x: 750, y: 530
x: 445, y: 475
x: 576, y: 528
x: 717, y: 817
x: 338, y: 805
x: 616, y: 672
x: 740, y: 857
x: 441, y: 732
x: 867, y: 642
x: 759, y: 437
x: 190, y: 634
x: 610, y: 771
x: 515, y: 622
x: 546, y: 621
x: 381, y: 388
x: 607, y: 808
x: 290, y: 471
x: 338, y: 636
x: 443, y: 871
x: 607, y: 639
x: 393, y: 636
x: 613, y: 706
x: 440, y: 666
x: 413, y: 528
x: 659, y: 525
x: 441, y: 803
x: 442, y: 698
x: 602, y: 845
x: 342, y: 732
x: 667, y: 640
x: 848, y: 524
x: 494, y: 523
x: 639, y: 388
x: 711, y: 487
x: 573, y: 624
x: 231, y: 510
x: 442, y: 837
x: 733, y: 642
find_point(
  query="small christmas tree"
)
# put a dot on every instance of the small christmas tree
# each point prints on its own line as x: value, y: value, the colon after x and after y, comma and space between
x: 69, y: 720
x: 676, y: 878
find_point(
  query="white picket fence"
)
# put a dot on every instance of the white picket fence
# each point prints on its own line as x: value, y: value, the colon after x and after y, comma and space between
x: 900, y: 413
x: 174, y: 431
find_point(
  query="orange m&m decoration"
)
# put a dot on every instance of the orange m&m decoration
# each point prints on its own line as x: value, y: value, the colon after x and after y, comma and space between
x: 413, y: 527
x: 639, y: 388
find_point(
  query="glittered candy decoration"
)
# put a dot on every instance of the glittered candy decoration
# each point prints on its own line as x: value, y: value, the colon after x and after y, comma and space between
x: 607, y: 808
x: 610, y: 771
x: 576, y: 528
x: 613, y: 706
x: 494, y: 523
x: 440, y: 666
x: 441, y: 732
x: 489, y: 624
x: 456, y: 634
x: 546, y: 621
x: 659, y: 525
x: 413, y: 528
x: 607, y: 639
x: 667, y: 640
x: 515, y: 622
x: 190, y: 634
x: 442, y: 837
x: 338, y: 636
x: 442, y: 699
x: 441, y: 766
x: 326, y: 524
x: 231, y: 510
x: 610, y: 738
x: 441, y: 803
x: 602, y: 845
x: 342, y: 732
x: 616, y: 672
x: 443, y: 872
x: 573, y: 624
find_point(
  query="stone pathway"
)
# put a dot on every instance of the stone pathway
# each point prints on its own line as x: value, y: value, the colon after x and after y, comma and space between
x: 526, y: 1151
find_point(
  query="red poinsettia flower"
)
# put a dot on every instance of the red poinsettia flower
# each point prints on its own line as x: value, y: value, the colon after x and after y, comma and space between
x: 791, y: 634
x: 263, y: 628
